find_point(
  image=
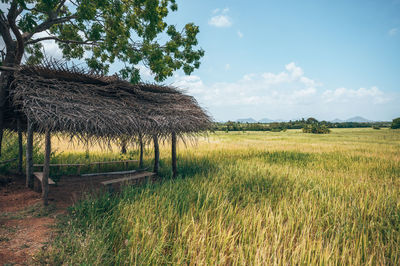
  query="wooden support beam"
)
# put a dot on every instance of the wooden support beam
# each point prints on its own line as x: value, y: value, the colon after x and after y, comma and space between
x: 5, y: 68
x: 156, y: 154
x: 46, y: 168
x: 141, y: 152
x: 20, y: 148
x: 173, y: 156
x: 123, y: 146
x: 29, y: 153
x: 112, y: 173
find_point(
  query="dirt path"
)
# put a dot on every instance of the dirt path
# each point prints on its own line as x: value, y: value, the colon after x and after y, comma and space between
x: 25, y: 226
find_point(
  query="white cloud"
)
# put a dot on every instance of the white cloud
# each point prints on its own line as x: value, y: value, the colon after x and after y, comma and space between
x: 220, y: 21
x: 288, y: 94
x: 145, y: 73
x: 294, y: 70
x: 227, y: 66
x: 193, y: 84
x: 221, y: 18
x: 50, y: 48
x: 345, y: 95
x: 253, y: 88
x: 393, y: 32
x: 240, y: 34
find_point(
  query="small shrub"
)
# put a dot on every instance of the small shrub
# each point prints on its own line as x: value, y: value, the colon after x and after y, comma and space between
x: 376, y: 127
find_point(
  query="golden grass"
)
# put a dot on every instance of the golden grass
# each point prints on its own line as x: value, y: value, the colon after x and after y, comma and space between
x: 252, y: 198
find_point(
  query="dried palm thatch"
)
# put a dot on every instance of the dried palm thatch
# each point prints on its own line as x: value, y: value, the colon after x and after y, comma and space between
x: 81, y: 104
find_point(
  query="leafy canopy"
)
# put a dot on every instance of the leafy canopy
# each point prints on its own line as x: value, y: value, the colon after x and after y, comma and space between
x: 395, y: 123
x: 129, y: 31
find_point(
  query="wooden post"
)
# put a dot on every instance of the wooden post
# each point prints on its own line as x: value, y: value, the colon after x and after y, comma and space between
x: 87, y: 155
x: 29, y: 153
x: 173, y: 159
x: 141, y: 152
x: 46, y: 168
x: 156, y: 154
x: 123, y: 146
x: 20, y: 149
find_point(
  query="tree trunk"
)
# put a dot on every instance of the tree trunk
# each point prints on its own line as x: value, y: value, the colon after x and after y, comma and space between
x: 3, y: 93
x: 141, y: 152
x: 156, y: 155
x: 173, y: 157
x: 46, y: 169
x: 29, y: 153
x: 20, y: 149
x: 12, y: 59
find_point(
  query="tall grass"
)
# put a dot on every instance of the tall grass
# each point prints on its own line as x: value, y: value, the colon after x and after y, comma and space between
x: 65, y: 151
x: 251, y: 198
x: 10, y: 150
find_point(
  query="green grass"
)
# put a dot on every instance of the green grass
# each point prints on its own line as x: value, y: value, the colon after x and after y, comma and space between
x: 250, y: 198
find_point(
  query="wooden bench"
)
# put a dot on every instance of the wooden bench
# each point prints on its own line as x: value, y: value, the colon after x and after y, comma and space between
x: 136, y: 176
x: 79, y: 165
x: 111, y: 162
x: 60, y: 164
x: 111, y: 173
x: 8, y: 161
x: 125, y: 162
x: 39, y: 176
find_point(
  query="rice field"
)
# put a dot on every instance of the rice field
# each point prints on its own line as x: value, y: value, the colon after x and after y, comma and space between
x: 247, y: 198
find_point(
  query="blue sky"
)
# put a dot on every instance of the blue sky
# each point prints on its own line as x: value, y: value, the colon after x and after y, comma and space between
x: 291, y: 59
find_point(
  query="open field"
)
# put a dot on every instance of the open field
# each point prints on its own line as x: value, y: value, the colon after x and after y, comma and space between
x: 249, y: 198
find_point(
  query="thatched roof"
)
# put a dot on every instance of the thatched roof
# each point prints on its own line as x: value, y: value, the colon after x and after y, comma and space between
x: 70, y: 101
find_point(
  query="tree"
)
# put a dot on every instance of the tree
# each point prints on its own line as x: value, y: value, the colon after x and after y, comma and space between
x: 316, y: 128
x: 312, y: 120
x: 126, y: 31
x: 395, y: 123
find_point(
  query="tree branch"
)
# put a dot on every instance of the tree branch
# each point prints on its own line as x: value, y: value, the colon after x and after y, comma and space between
x: 13, y: 11
x: 46, y: 25
x: 5, y: 68
x: 87, y: 42
x: 60, y: 5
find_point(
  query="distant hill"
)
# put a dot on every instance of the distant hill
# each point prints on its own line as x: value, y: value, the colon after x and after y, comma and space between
x: 358, y: 119
x: 246, y: 120
x: 266, y: 120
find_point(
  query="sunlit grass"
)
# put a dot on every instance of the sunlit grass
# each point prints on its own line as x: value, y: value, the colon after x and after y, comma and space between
x: 250, y: 198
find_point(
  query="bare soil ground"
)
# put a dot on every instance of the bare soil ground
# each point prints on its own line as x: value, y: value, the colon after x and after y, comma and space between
x: 25, y: 225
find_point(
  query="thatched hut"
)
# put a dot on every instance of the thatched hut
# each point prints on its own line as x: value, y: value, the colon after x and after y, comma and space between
x: 68, y: 100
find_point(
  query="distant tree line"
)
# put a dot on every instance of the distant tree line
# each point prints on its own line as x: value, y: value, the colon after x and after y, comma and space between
x: 310, y: 124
